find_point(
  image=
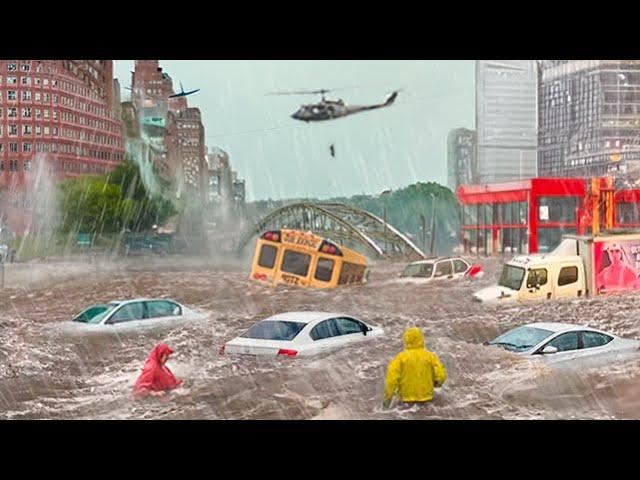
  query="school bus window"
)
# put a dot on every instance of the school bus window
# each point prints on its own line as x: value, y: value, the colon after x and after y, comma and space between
x: 267, y: 256
x: 324, y: 270
x: 350, y: 273
x: 296, y: 263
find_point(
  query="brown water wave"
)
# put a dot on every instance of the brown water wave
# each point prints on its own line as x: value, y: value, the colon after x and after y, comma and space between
x: 47, y: 373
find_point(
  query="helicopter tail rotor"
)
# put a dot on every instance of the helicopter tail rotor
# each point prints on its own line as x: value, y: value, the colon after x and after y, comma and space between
x: 391, y: 98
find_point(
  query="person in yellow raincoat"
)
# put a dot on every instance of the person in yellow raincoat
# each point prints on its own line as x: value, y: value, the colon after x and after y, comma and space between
x: 414, y: 372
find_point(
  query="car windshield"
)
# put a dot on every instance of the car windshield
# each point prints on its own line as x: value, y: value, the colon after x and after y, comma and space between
x: 511, y: 277
x: 418, y: 270
x: 274, y: 330
x: 521, y: 338
x: 96, y: 313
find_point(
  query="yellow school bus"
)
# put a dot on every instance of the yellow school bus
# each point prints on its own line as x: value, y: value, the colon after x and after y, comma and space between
x: 304, y: 259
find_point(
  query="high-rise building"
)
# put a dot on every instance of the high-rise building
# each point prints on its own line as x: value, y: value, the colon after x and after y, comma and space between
x: 56, y: 116
x: 186, y: 153
x: 589, y: 118
x: 506, y: 122
x: 225, y: 188
x: 170, y: 143
x: 461, y: 158
x: 171, y: 131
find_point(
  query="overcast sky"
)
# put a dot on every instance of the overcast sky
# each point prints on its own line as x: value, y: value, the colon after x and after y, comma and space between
x: 283, y: 158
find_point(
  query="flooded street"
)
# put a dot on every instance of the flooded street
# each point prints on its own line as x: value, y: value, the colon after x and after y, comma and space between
x: 47, y: 373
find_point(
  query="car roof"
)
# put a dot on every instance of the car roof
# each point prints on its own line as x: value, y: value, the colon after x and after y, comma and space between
x: 304, y: 317
x: 556, y: 327
x: 122, y: 302
x: 436, y: 259
x: 533, y: 260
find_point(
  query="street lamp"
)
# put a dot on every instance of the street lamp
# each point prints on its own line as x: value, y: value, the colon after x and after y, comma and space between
x: 386, y: 192
x: 424, y: 231
x: 434, y: 200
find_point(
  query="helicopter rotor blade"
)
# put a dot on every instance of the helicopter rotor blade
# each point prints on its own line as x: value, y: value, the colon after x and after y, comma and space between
x: 322, y: 91
x: 303, y: 92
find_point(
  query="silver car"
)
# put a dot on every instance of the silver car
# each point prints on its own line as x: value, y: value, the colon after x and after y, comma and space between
x: 140, y: 313
x: 562, y: 342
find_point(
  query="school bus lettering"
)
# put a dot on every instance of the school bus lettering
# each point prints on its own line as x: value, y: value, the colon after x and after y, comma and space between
x: 298, y: 239
x: 290, y: 279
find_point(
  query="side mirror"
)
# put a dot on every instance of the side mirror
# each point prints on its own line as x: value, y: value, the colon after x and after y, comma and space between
x: 537, y: 286
x: 549, y: 349
x: 364, y: 329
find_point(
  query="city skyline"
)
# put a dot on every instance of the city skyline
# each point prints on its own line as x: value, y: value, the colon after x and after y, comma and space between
x: 284, y: 158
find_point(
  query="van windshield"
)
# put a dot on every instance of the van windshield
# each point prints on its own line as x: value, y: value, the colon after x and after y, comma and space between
x: 511, y: 277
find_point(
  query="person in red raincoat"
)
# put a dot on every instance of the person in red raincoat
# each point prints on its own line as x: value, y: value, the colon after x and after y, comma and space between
x: 156, y: 378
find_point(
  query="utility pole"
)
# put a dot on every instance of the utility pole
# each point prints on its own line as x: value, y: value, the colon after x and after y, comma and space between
x: 424, y: 232
x: 384, y: 195
x: 433, y: 223
x: 384, y: 214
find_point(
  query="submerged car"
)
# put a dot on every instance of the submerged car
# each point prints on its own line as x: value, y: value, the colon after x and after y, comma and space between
x: 297, y: 334
x: 134, y: 313
x: 441, y: 268
x: 563, y: 342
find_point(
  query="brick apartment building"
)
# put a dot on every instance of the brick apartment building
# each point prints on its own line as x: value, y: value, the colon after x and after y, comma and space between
x: 56, y: 118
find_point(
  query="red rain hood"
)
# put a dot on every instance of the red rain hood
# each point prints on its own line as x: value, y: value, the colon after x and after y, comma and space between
x: 155, y: 376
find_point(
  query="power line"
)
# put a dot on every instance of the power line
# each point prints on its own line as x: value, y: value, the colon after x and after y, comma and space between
x: 252, y: 131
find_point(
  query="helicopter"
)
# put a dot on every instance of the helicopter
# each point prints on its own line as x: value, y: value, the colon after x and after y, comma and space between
x: 182, y: 93
x: 330, y: 109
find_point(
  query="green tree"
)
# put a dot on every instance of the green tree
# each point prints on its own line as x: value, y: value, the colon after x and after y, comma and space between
x: 110, y: 203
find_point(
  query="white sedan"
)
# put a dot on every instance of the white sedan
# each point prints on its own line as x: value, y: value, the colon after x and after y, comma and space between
x: 442, y: 268
x: 563, y: 342
x: 297, y: 334
x: 131, y: 314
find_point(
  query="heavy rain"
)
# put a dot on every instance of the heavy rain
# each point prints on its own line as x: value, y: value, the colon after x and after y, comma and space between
x: 175, y: 211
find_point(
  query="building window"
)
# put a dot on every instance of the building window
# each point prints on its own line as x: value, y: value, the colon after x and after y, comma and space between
x: 45, y: 97
x: 26, y: 95
x: 25, y: 67
x: 38, y: 130
x: 45, y: 81
x: 38, y: 113
x: 55, y: 131
x: 13, y: 129
x: 12, y: 80
x: 27, y: 147
x: 55, y: 114
x: 46, y: 113
x: 26, y: 112
x: 12, y: 112
x: 1, y: 146
x: 46, y: 130
x: 27, y: 130
x: 13, y: 165
x: 38, y: 96
x: 26, y: 80
x: 12, y: 67
x: 11, y: 95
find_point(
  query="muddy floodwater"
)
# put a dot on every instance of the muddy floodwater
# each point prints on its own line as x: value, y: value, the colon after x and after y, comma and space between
x: 47, y: 373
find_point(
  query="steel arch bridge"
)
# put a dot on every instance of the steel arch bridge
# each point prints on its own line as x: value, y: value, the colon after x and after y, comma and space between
x: 346, y: 224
